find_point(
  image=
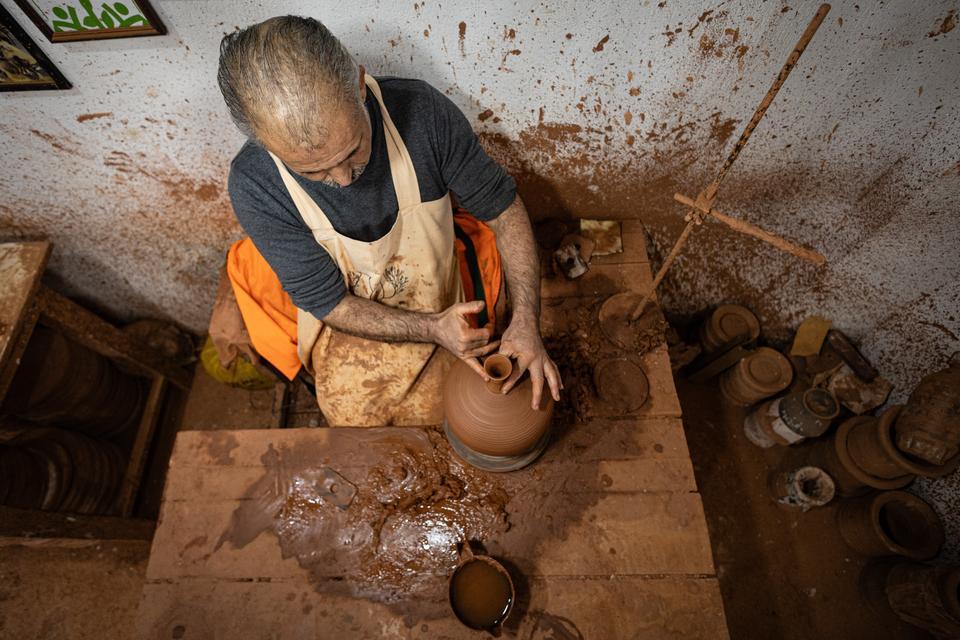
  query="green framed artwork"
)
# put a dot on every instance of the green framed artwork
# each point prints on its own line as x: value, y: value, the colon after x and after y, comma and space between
x: 70, y: 20
x: 23, y: 67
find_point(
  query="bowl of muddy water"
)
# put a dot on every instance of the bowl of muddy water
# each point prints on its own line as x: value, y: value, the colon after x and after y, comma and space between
x: 481, y: 592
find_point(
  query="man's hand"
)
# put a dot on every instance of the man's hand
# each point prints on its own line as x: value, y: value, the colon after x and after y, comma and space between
x: 521, y: 341
x: 453, y: 332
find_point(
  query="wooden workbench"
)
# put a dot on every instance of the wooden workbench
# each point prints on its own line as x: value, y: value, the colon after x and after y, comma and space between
x: 635, y: 563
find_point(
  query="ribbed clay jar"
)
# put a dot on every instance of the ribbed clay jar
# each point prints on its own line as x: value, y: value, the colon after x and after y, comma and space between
x: 488, y: 421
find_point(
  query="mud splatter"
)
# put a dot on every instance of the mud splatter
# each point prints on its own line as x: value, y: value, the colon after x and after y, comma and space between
x: 93, y: 116
x: 722, y: 128
x: 603, y: 42
x: 947, y: 25
x: 484, y: 115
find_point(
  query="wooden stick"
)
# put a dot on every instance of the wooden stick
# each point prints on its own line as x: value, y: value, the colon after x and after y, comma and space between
x: 711, y: 190
x: 752, y: 230
x: 710, y: 193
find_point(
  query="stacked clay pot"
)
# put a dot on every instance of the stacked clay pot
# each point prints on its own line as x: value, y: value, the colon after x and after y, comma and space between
x: 726, y: 323
x: 489, y: 429
x: 891, y: 523
x: 61, y: 383
x: 762, y: 373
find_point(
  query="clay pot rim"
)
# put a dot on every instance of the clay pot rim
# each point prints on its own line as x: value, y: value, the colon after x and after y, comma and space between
x: 882, y: 499
x: 806, y: 405
x: 751, y: 319
x: 502, y: 570
x: 885, y: 433
x: 851, y: 467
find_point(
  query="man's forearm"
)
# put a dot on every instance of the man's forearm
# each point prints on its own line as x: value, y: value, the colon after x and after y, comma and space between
x: 520, y: 260
x: 374, y: 321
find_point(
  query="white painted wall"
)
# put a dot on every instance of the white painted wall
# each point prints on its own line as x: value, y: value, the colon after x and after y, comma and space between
x: 858, y: 156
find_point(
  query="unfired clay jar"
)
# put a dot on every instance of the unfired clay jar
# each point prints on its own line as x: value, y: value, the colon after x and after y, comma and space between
x: 872, y: 447
x: 490, y: 422
x: 727, y: 322
x: 891, y: 523
x: 929, y: 425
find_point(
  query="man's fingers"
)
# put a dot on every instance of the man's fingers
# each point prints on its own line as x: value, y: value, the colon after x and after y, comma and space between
x: 553, y: 379
x: 467, y: 308
x: 536, y: 377
x: 482, y: 350
x: 474, y: 364
x: 476, y: 335
x: 518, y: 370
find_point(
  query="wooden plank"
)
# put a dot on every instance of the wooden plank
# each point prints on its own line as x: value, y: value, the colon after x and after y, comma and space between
x: 95, y: 333
x: 620, y: 533
x: 141, y: 446
x: 601, y: 280
x: 687, y: 608
x: 21, y: 266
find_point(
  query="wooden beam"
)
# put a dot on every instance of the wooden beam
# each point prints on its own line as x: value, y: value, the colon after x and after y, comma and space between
x: 141, y: 447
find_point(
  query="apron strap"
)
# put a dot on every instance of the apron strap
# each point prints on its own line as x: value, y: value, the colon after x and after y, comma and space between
x: 401, y: 166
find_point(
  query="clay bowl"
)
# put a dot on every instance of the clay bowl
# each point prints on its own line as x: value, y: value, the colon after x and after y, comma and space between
x: 490, y: 422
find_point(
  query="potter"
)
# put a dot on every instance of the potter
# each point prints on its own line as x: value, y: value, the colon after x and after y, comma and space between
x: 358, y: 267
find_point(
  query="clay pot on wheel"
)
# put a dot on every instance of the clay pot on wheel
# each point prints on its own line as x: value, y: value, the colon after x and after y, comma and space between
x: 891, y: 523
x: 489, y: 429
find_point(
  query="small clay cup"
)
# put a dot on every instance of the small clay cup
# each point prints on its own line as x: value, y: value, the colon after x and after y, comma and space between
x: 467, y: 556
x: 498, y: 367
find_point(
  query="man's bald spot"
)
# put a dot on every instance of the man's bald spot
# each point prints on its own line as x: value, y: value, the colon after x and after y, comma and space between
x: 286, y: 79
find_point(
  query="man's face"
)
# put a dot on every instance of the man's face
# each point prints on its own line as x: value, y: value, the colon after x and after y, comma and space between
x: 343, y: 156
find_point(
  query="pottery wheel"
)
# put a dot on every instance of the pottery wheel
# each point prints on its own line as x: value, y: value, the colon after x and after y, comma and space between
x: 621, y: 384
x: 614, y: 319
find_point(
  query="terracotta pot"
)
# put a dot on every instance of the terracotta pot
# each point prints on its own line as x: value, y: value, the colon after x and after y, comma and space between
x: 802, y: 488
x: 891, y: 523
x: 872, y: 447
x: 727, y: 322
x: 792, y: 418
x: 481, y: 592
x: 489, y: 429
x: 922, y: 595
x: 833, y: 456
x: 760, y: 374
x: 929, y: 425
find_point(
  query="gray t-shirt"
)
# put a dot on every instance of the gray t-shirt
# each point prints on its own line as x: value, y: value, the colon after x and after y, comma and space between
x: 446, y: 157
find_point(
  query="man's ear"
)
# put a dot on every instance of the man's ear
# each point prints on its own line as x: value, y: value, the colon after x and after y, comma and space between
x: 363, y: 83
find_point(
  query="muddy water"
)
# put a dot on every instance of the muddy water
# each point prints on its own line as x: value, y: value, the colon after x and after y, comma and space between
x: 480, y: 595
x: 397, y: 539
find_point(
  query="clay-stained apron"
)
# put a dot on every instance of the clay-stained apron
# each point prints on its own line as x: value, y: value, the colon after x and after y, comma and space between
x: 366, y: 382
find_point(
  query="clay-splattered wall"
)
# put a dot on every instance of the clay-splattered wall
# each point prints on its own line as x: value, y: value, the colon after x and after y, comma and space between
x: 599, y: 108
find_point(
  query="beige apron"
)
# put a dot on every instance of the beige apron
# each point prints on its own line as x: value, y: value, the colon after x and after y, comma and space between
x: 370, y: 383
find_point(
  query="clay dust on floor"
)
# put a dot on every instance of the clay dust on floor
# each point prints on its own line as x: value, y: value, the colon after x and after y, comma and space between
x: 783, y: 574
x: 71, y: 590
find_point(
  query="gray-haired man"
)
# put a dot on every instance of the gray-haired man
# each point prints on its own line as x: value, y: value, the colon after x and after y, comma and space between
x: 344, y: 187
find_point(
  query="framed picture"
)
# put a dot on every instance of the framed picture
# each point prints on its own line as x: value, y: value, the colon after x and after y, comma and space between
x: 23, y: 67
x: 70, y: 20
